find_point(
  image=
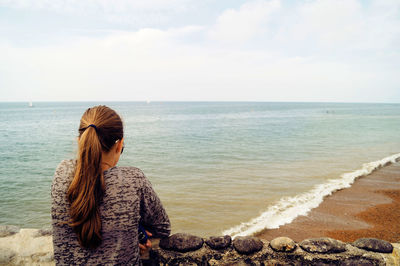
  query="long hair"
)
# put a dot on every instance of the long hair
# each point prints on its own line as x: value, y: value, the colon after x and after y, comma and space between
x: 100, y: 127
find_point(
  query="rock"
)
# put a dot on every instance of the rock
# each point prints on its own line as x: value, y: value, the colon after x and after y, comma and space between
x: 45, y: 231
x: 284, y: 244
x: 323, y: 245
x: 6, y: 256
x: 8, y: 230
x: 247, y: 244
x: 182, y: 242
x: 213, y: 262
x: 49, y: 257
x: 373, y: 244
x: 356, y: 262
x: 219, y: 242
x: 217, y: 256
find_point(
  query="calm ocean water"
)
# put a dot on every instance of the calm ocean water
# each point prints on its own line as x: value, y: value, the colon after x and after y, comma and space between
x: 233, y: 167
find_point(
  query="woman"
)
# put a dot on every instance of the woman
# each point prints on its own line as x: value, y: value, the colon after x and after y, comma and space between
x: 96, y: 206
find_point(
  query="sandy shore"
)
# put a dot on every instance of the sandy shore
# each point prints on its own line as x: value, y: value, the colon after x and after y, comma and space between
x: 369, y: 208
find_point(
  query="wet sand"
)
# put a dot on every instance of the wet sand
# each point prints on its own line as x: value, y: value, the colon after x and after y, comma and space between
x: 369, y: 208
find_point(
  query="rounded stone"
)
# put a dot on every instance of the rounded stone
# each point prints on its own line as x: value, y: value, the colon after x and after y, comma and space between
x: 323, y: 245
x: 8, y: 230
x: 373, y: 244
x: 181, y: 242
x: 283, y: 244
x: 247, y: 244
x: 219, y: 242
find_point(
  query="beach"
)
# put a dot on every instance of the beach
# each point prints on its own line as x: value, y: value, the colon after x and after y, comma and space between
x: 369, y: 208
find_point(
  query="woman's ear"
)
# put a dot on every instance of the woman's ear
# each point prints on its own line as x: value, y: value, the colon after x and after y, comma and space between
x: 120, y: 144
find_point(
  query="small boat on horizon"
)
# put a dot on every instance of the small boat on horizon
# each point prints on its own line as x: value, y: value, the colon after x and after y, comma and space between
x: 30, y: 104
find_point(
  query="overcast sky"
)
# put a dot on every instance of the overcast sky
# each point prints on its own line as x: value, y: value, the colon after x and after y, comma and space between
x: 163, y: 50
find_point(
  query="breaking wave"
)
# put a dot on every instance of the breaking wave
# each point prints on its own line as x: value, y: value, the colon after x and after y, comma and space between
x: 288, y: 208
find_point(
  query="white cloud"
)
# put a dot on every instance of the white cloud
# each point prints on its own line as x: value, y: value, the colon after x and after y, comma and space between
x: 331, y: 20
x: 327, y: 25
x: 113, y: 6
x: 152, y: 64
x: 182, y: 63
x: 136, y: 12
x: 344, y: 25
x: 243, y: 24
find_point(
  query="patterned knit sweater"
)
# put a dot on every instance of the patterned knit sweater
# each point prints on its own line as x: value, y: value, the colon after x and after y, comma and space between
x: 129, y: 199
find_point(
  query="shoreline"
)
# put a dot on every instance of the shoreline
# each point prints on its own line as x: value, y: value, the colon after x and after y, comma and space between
x: 369, y: 208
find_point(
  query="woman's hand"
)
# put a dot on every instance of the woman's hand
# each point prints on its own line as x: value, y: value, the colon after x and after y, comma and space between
x: 145, y: 247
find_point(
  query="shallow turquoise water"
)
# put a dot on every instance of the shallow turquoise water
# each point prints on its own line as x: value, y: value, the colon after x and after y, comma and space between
x: 214, y: 164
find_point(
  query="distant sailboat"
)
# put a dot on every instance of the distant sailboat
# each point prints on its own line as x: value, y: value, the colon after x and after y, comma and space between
x: 30, y: 104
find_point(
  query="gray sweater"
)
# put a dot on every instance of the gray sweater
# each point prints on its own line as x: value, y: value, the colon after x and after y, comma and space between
x: 128, y: 200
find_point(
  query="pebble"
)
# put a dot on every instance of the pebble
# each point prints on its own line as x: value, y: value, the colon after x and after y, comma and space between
x: 247, y: 244
x: 373, y: 244
x: 219, y: 242
x: 283, y: 244
x: 323, y: 245
x: 181, y: 242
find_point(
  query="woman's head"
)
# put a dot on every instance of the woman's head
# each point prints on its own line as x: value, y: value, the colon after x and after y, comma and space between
x: 100, y: 132
x: 106, y: 126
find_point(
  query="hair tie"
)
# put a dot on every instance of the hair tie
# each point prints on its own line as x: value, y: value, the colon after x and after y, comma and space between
x: 91, y: 125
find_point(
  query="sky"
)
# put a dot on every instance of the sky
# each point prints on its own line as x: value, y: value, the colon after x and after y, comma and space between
x: 191, y: 50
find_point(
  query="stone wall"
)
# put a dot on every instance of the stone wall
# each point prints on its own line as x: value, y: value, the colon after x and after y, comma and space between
x: 184, y: 249
x: 34, y: 247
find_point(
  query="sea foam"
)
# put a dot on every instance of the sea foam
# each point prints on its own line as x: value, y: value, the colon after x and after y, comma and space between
x: 288, y: 208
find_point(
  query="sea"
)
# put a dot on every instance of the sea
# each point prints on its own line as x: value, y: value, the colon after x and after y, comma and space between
x: 218, y: 167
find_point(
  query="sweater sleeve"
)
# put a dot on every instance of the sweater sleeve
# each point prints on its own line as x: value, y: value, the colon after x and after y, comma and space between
x: 153, y: 215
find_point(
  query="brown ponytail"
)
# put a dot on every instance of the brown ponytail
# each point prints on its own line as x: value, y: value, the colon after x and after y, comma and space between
x: 99, y: 129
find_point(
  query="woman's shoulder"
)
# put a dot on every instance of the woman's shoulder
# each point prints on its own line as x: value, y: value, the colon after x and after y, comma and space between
x: 65, y: 167
x: 63, y: 174
x: 128, y: 175
x: 127, y: 171
x: 68, y: 163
